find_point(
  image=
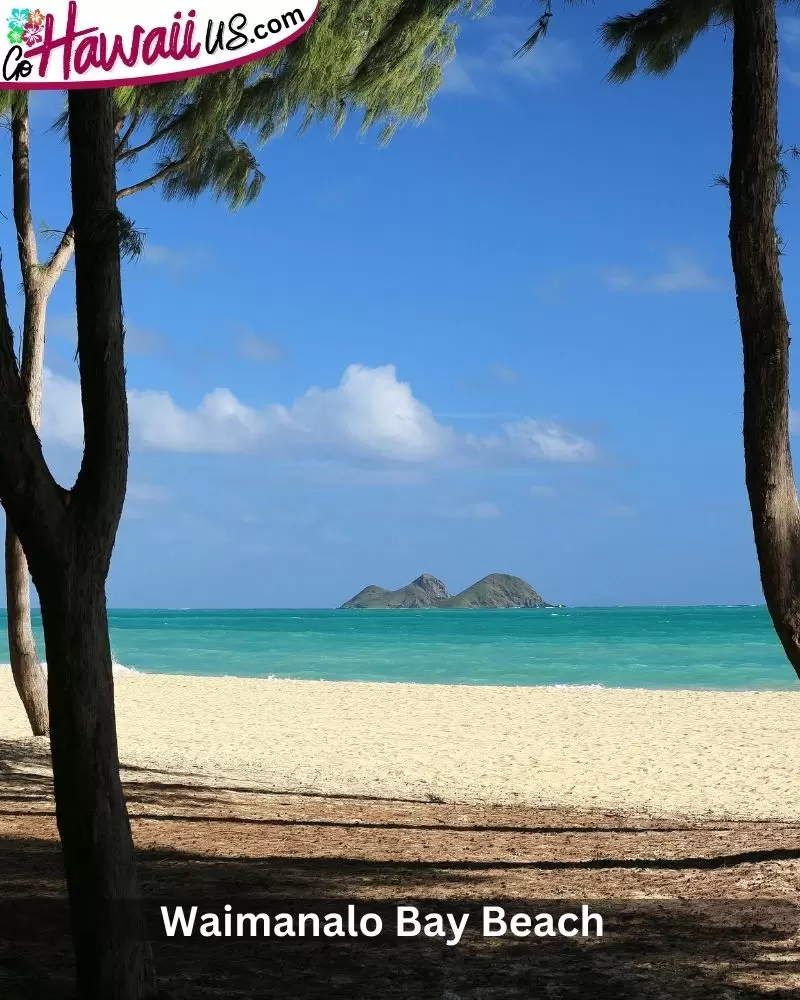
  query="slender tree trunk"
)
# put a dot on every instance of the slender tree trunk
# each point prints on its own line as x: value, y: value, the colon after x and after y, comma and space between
x: 26, y: 670
x: 113, y: 956
x: 38, y: 282
x: 764, y: 324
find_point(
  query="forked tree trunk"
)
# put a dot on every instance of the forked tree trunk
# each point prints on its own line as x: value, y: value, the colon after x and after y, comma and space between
x: 762, y: 315
x: 113, y: 956
x: 26, y: 670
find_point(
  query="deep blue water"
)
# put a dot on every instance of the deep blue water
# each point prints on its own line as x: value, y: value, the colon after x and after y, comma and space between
x: 652, y: 647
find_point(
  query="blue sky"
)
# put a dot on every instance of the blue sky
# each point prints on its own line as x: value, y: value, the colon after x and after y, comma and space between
x: 505, y: 343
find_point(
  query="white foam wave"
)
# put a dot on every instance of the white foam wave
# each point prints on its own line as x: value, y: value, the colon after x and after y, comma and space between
x: 119, y: 668
x: 575, y: 687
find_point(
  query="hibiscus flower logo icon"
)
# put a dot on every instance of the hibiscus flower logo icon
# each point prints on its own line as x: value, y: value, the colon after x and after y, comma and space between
x: 25, y: 25
x: 33, y: 30
x: 16, y: 24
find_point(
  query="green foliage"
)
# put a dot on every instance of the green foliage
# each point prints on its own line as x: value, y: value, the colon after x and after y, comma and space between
x: 131, y: 240
x: 380, y: 59
x: 538, y: 31
x: 653, y: 40
x: 540, y: 26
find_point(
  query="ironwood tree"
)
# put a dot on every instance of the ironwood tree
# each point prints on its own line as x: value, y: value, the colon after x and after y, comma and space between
x: 652, y: 41
x: 377, y: 58
x: 67, y: 536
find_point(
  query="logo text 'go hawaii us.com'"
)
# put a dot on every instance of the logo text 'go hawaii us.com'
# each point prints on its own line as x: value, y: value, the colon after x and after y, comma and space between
x: 97, y: 44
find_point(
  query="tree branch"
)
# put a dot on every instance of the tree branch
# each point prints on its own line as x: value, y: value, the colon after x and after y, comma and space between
x: 60, y: 257
x: 135, y: 150
x: 55, y: 266
x: 159, y: 175
x: 58, y: 261
x: 125, y: 137
x: 21, y: 182
x: 32, y: 499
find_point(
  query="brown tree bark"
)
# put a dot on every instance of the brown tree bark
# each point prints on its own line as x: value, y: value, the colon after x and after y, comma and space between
x: 26, y: 670
x: 113, y: 959
x: 29, y: 678
x: 68, y: 539
x: 39, y: 279
x: 755, y: 254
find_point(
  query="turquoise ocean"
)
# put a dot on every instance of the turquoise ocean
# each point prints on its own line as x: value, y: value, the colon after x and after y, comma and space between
x: 719, y: 648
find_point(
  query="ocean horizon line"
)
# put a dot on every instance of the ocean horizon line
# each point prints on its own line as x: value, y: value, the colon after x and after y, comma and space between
x: 306, y: 608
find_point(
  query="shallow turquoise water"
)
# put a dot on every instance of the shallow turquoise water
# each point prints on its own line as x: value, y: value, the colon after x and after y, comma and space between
x: 654, y: 647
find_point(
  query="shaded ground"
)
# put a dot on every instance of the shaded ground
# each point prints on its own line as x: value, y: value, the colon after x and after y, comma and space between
x: 690, y: 909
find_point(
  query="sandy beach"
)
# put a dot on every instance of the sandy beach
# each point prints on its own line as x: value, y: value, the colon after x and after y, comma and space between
x: 675, y: 812
x: 664, y: 753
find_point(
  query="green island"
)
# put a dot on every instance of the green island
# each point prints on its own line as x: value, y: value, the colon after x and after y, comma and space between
x: 498, y: 590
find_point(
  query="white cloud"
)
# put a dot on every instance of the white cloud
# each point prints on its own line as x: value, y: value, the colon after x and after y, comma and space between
x: 62, y: 417
x: 681, y: 274
x: 489, y: 71
x: 369, y: 416
x: 531, y: 440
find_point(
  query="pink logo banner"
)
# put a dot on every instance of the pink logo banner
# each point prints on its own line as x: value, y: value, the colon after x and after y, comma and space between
x: 93, y: 43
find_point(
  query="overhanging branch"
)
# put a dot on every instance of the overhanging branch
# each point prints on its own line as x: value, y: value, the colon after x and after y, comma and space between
x: 149, y: 182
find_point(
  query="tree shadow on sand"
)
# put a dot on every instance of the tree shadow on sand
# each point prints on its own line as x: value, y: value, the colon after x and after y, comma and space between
x: 668, y: 948
x: 650, y: 949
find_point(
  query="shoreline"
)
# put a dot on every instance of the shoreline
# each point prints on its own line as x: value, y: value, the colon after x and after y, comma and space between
x: 727, y: 754
x: 122, y: 669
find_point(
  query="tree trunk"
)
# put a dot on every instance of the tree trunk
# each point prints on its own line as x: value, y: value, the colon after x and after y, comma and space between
x: 764, y: 324
x: 26, y: 670
x: 113, y: 956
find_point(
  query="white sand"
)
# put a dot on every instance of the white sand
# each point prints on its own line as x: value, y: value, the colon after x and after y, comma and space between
x: 663, y: 752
